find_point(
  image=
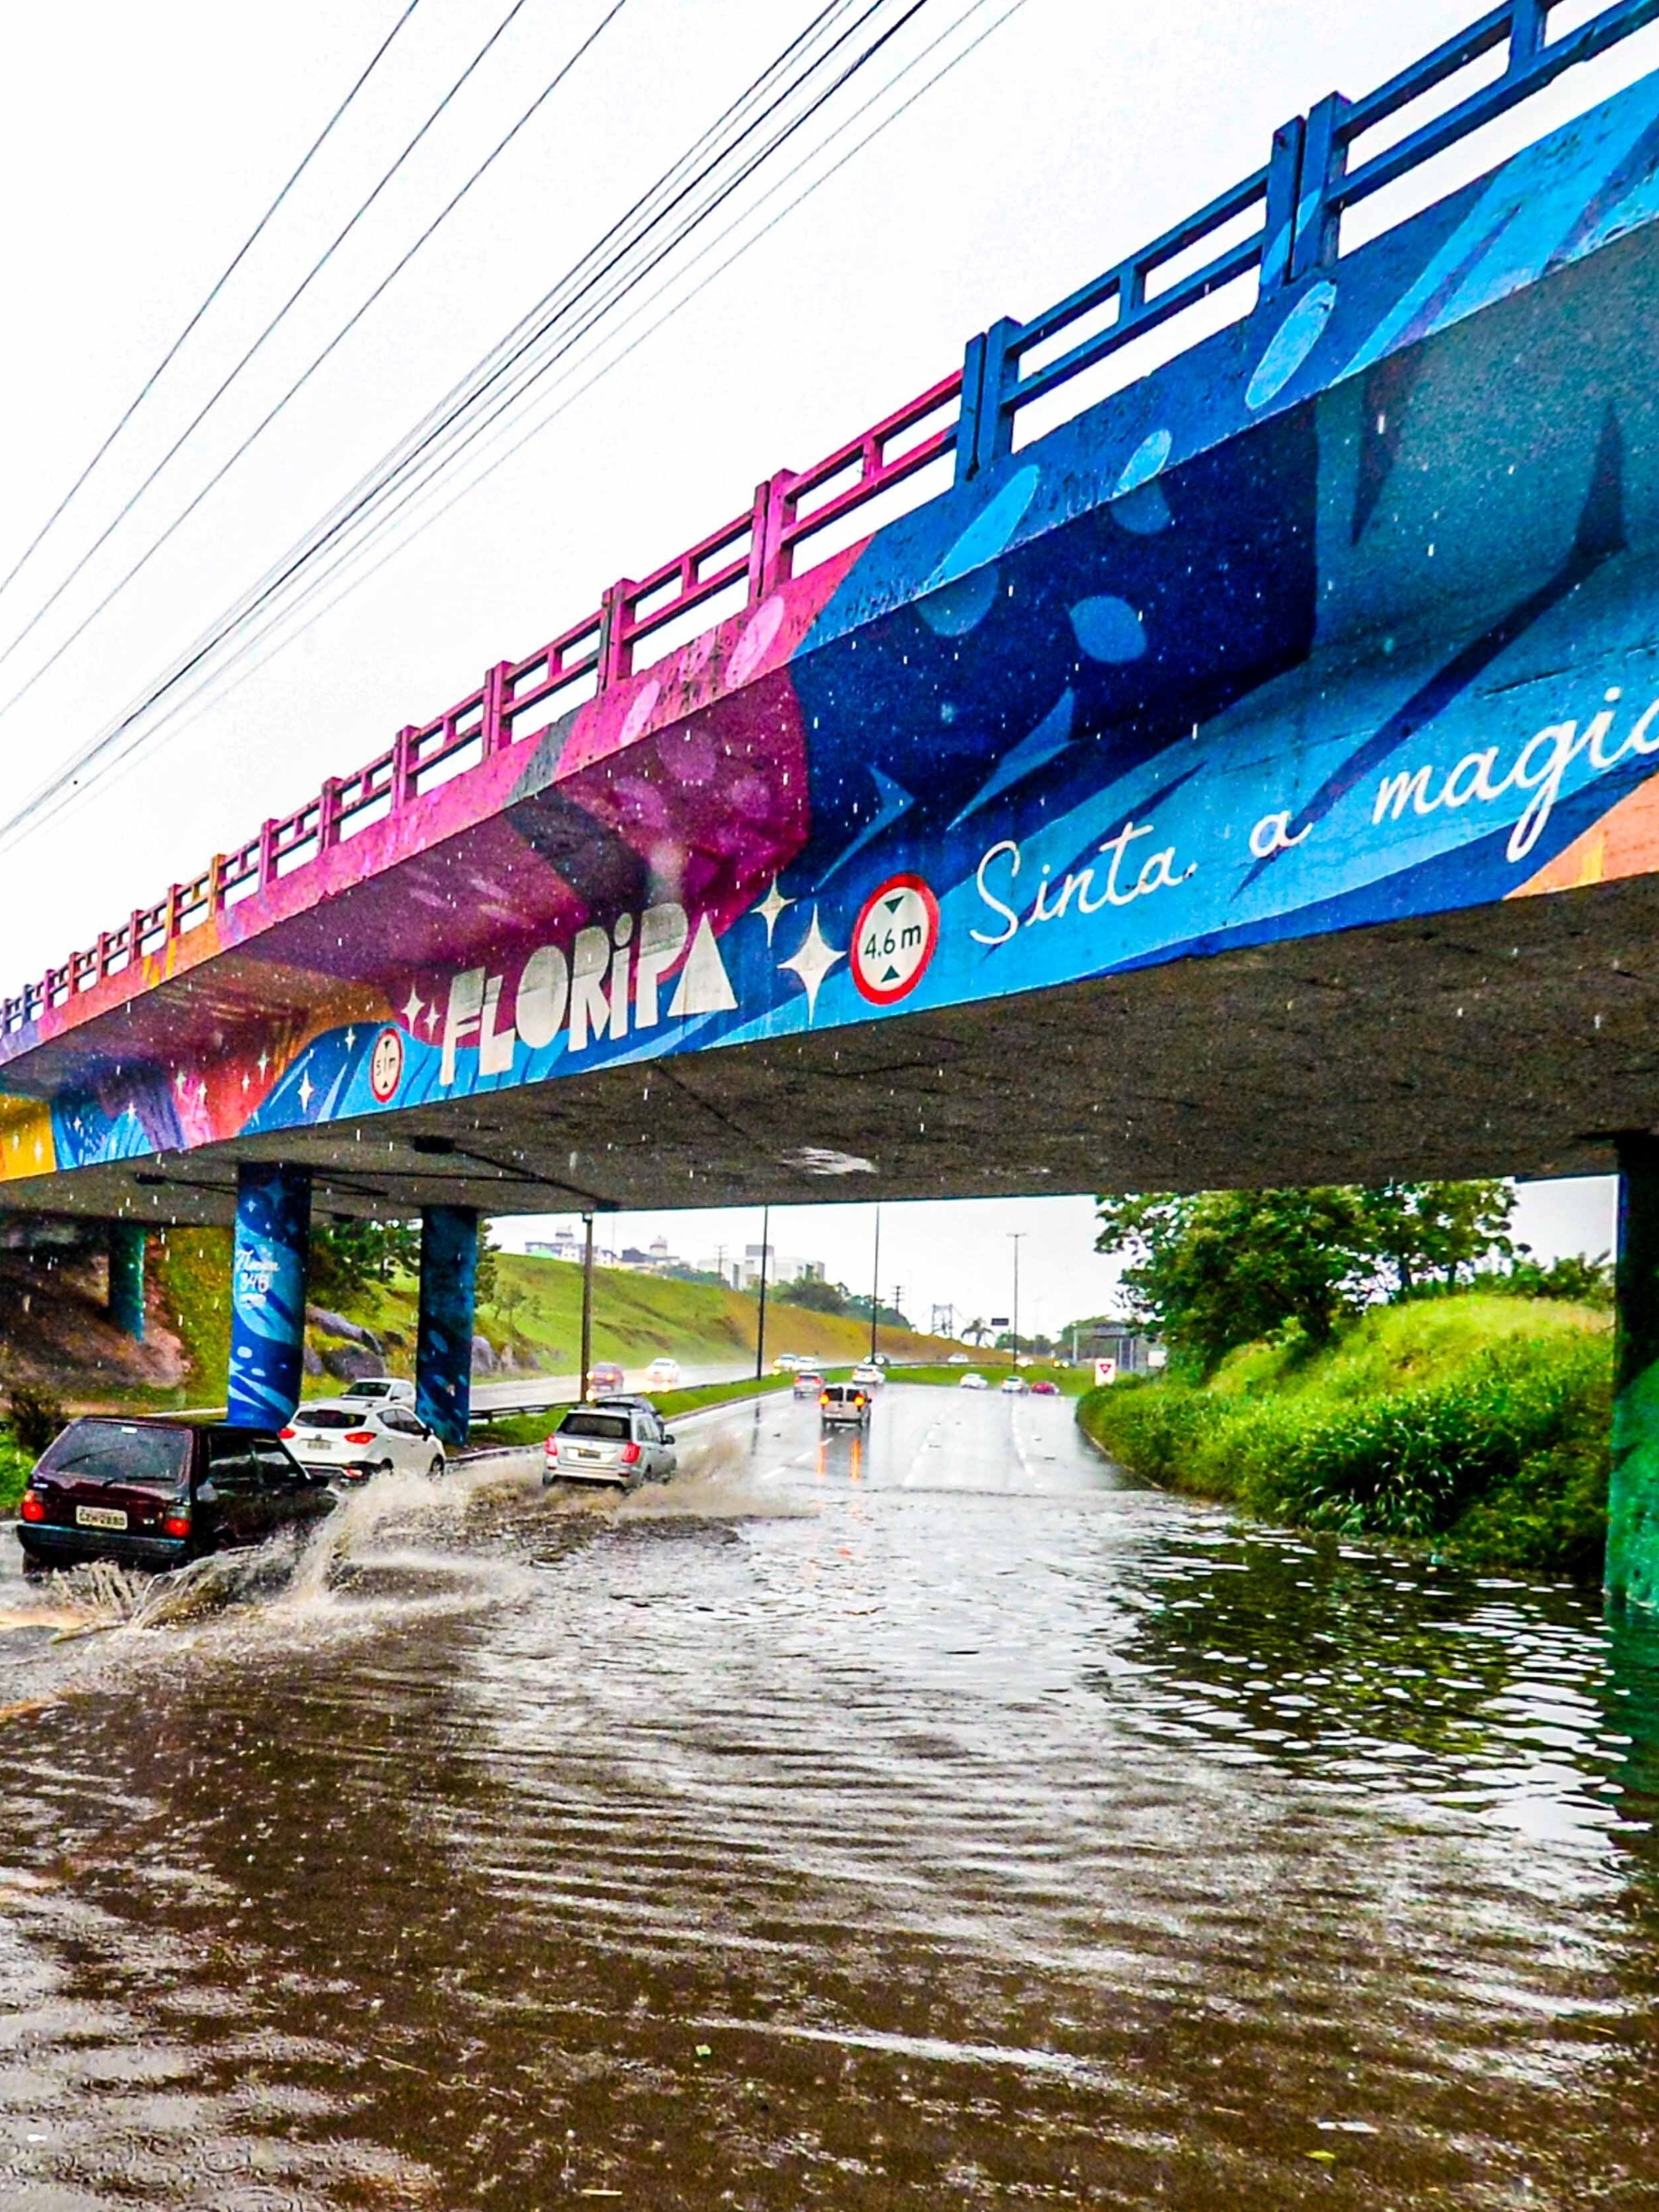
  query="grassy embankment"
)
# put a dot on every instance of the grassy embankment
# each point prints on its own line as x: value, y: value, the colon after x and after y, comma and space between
x: 1475, y: 1423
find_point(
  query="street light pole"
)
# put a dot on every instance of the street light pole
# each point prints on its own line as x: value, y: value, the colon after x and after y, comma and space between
x: 587, y: 1305
x: 875, y: 1286
x: 760, y: 1327
x: 1017, y: 1238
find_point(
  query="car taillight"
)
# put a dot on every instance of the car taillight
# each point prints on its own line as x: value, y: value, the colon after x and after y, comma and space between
x: 824, y: 1397
x: 287, y: 1435
x: 630, y: 1454
x: 176, y: 1523
x: 552, y: 1447
x: 33, y: 1508
x: 359, y: 1435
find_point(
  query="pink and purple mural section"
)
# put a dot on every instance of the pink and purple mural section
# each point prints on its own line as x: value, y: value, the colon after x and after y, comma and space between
x: 1348, y: 614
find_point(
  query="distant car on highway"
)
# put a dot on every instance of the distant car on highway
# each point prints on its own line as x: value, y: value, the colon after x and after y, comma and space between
x: 1014, y: 1386
x: 604, y: 1379
x: 869, y: 1376
x: 388, y: 1389
x: 345, y: 1440
x: 159, y: 1493
x: 972, y: 1380
x: 957, y: 1359
x: 663, y: 1373
x: 808, y: 1383
x: 1045, y: 1389
x: 843, y: 1405
x: 612, y: 1444
x: 787, y: 1362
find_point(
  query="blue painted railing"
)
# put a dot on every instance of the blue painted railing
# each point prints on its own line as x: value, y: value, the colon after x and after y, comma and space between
x: 1304, y: 191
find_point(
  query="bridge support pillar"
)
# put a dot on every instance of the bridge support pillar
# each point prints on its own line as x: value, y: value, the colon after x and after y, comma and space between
x: 1632, y: 1571
x: 443, y: 1353
x: 268, y: 1292
x: 126, y: 1279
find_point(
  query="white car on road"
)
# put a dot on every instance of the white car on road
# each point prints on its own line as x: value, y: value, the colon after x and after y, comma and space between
x: 868, y: 1376
x: 1014, y: 1386
x: 382, y: 1389
x: 349, y: 1439
x: 973, y: 1381
x: 619, y: 1442
x: 663, y: 1373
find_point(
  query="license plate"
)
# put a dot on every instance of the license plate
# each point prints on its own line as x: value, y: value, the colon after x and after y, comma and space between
x: 587, y: 1451
x: 100, y: 1517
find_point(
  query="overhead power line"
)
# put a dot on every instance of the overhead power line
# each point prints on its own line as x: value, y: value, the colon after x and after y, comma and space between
x: 270, y: 329
x: 229, y: 271
x: 693, y: 189
x: 247, y: 659
x: 271, y: 414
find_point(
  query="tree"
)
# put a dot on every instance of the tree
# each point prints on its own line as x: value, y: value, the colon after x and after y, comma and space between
x: 1210, y: 1271
x: 1428, y: 1232
x: 348, y: 1256
x: 975, y: 1332
x: 816, y: 1296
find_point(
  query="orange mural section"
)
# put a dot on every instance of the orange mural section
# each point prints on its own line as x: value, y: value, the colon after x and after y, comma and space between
x: 1624, y: 843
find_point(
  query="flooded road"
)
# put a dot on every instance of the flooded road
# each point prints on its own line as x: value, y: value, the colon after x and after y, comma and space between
x: 925, y: 1818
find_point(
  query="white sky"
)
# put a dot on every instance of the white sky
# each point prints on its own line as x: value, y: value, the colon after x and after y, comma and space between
x: 138, y: 145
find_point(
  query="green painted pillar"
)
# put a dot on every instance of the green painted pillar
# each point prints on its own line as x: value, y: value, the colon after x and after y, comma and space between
x: 126, y: 1279
x: 1632, y: 1573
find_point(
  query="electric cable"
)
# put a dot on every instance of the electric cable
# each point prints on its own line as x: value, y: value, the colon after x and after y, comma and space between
x: 69, y: 781
x: 293, y: 297
x: 306, y: 374
x: 214, y: 687
x: 113, y: 592
x: 229, y: 271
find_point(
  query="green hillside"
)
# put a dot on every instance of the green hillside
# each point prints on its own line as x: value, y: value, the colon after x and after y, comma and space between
x: 532, y: 1318
x: 1476, y: 1422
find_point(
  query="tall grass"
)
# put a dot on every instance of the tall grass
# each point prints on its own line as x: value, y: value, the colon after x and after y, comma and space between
x: 1476, y: 1424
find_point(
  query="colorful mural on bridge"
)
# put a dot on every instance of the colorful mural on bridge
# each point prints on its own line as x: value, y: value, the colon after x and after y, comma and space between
x: 1346, y: 615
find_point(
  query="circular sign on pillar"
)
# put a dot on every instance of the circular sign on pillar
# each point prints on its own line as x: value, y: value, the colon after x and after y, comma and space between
x: 895, y: 936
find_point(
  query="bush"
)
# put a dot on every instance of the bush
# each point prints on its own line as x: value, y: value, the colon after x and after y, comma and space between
x: 1504, y: 1460
x: 35, y: 1418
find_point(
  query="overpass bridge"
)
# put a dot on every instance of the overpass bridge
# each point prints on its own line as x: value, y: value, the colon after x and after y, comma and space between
x: 1247, y: 778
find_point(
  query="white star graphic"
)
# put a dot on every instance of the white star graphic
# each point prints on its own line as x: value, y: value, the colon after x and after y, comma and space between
x: 812, y: 963
x: 430, y: 1019
x: 308, y: 1090
x: 351, y: 1040
x: 245, y: 1078
x: 414, y: 1007
x: 772, y: 908
x: 263, y: 1063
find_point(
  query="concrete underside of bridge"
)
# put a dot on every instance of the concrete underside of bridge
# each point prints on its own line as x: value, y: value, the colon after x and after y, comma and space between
x: 1510, y: 1039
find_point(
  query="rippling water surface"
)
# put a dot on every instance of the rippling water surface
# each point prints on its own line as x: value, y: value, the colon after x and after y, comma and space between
x: 924, y: 1819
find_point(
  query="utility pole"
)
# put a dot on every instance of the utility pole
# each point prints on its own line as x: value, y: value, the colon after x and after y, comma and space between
x: 760, y: 1325
x: 587, y: 1304
x: 1017, y: 1238
x: 875, y: 1285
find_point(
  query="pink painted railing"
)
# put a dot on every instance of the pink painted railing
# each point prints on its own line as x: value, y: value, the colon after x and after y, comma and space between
x: 755, y: 551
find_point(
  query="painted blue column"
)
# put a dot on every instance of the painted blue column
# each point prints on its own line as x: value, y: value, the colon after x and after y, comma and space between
x: 268, y: 1292
x: 1632, y: 1572
x: 126, y: 1279
x: 443, y: 1352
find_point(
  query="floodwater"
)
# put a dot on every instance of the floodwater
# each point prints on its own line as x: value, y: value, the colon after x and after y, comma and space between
x: 924, y: 1820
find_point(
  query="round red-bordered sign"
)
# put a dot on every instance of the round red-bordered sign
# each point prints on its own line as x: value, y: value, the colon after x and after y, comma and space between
x: 895, y: 938
x: 385, y: 1064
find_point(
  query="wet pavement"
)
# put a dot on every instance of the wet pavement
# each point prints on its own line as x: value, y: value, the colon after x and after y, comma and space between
x: 923, y: 1819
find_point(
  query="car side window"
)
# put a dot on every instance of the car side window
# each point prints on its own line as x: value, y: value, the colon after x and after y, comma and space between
x: 276, y: 1470
x: 230, y: 1466
x: 401, y: 1420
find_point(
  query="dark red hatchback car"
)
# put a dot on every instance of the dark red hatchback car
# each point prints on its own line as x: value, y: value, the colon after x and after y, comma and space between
x: 155, y: 1494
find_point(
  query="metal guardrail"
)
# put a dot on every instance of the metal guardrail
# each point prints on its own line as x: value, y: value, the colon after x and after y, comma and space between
x: 1309, y: 181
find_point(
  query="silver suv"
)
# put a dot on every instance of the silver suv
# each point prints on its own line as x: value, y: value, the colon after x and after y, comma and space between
x: 846, y: 1403
x: 615, y: 1445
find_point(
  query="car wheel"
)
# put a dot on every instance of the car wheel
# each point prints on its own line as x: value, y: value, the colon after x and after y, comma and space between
x: 435, y: 1469
x: 384, y: 1467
